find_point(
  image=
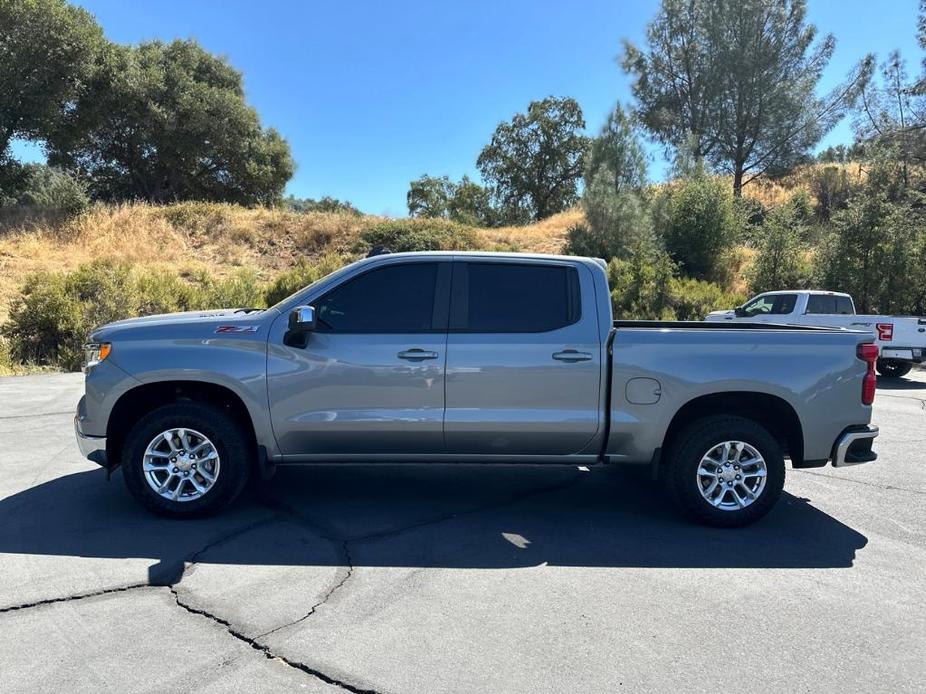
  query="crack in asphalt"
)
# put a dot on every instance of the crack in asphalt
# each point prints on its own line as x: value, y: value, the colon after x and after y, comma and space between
x: 76, y: 596
x: 262, y: 648
x: 325, y: 534
x: 171, y: 575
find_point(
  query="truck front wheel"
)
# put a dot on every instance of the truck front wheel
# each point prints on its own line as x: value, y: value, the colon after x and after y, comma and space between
x: 893, y: 369
x: 186, y: 459
x: 726, y: 471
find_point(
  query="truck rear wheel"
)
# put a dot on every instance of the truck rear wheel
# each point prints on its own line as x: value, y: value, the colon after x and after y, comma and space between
x: 893, y: 369
x: 186, y: 459
x: 726, y: 471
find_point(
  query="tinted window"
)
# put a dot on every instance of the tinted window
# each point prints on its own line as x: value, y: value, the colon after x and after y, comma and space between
x: 510, y: 298
x: 393, y: 299
x: 844, y: 306
x: 820, y: 303
x: 771, y: 304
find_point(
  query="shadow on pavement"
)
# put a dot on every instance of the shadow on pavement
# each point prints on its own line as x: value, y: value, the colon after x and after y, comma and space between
x: 900, y: 384
x: 429, y: 516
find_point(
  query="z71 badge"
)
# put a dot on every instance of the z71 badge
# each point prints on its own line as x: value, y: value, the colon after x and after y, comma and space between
x: 222, y: 329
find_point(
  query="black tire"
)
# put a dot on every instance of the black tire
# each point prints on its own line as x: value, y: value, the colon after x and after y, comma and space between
x: 695, y: 441
x: 893, y: 369
x: 231, y: 442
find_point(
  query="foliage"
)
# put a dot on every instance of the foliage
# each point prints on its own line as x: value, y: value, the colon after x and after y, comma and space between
x: 781, y: 263
x: 164, y: 122
x: 534, y: 161
x: 402, y: 235
x: 301, y: 276
x: 48, y: 50
x: 615, y: 175
x: 831, y: 188
x: 45, y: 188
x: 57, y: 310
x: 325, y: 204
x: 692, y: 299
x: 641, y: 284
x: 466, y: 202
x: 699, y: 226
x: 877, y: 253
x: 893, y: 112
x: 735, y: 81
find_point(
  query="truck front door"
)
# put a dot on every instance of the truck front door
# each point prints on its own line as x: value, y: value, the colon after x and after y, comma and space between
x: 370, y: 378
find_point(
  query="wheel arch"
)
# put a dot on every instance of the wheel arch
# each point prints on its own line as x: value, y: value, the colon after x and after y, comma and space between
x: 144, y: 398
x: 771, y: 411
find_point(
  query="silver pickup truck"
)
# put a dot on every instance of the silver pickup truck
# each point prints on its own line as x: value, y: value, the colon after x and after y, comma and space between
x: 468, y: 357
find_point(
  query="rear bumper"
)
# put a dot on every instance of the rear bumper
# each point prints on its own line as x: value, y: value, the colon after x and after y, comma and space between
x: 91, y: 447
x: 853, y: 447
x: 910, y: 354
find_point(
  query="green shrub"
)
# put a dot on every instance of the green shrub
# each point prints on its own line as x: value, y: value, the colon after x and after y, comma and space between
x: 832, y: 189
x: 53, y: 189
x: 47, y: 324
x: 640, y: 285
x: 162, y: 291
x: 781, y: 263
x: 693, y: 299
x: 240, y: 290
x: 301, y: 276
x: 419, y: 234
x: 700, y: 226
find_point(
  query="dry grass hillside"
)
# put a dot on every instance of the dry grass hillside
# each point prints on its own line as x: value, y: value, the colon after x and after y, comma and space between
x: 189, y: 237
x: 219, y: 238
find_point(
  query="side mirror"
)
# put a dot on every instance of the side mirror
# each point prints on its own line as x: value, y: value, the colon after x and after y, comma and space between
x: 739, y: 312
x: 302, y: 319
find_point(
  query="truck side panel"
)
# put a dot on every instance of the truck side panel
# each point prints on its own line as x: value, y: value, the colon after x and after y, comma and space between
x: 656, y: 372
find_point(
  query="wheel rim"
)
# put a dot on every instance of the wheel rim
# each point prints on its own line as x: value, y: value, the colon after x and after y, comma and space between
x: 732, y: 475
x: 181, y: 464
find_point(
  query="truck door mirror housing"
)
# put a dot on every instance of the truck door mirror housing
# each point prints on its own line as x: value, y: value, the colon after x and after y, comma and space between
x: 302, y: 319
x: 739, y: 312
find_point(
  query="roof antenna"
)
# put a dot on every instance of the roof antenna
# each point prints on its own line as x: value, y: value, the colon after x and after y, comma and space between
x: 378, y: 249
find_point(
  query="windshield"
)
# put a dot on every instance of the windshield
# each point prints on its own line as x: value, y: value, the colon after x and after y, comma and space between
x: 322, y: 280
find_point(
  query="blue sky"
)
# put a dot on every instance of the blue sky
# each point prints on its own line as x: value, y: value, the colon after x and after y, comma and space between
x: 373, y: 94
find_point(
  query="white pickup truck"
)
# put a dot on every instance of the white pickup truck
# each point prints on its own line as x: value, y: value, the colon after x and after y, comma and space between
x: 901, y: 340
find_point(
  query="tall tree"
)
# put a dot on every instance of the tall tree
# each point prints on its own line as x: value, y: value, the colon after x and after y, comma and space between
x: 164, y: 122
x: 429, y: 196
x: 47, y: 52
x: 735, y: 81
x: 534, y: 162
x: 615, y: 174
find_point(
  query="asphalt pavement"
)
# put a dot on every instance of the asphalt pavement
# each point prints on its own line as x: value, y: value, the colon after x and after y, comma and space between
x: 457, y: 579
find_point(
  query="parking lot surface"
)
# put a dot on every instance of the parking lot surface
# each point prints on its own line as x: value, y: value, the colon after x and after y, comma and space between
x: 457, y: 579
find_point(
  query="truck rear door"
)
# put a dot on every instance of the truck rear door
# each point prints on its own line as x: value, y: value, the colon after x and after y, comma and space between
x: 523, y: 358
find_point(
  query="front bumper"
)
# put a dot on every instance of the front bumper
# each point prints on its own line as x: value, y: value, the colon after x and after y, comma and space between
x: 91, y: 447
x: 853, y: 447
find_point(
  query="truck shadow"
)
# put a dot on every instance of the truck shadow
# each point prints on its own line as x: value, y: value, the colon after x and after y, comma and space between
x: 900, y: 384
x: 422, y: 516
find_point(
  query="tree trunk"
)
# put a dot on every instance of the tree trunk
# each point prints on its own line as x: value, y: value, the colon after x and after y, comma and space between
x: 738, y: 180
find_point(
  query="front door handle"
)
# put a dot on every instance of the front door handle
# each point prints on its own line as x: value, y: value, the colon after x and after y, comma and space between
x: 416, y: 355
x: 571, y: 355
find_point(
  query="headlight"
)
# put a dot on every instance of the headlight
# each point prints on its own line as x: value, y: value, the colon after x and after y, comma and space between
x: 95, y: 352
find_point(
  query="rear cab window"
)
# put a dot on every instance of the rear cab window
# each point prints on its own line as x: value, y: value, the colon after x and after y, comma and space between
x: 829, y: 304
x: 502, y: 297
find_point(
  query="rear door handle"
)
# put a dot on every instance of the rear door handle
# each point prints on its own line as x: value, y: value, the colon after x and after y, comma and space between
x: 571, y: 355
x: 416, y: 355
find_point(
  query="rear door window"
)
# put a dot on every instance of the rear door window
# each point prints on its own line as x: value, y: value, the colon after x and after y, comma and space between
x: 514, y: 298
x: 821, y: 303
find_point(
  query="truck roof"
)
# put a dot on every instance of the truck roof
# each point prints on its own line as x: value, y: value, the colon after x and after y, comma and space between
x: 489, y: 254
x: 806, y: 291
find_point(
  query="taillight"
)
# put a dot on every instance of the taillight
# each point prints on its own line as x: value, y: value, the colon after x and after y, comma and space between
x: 869, y: 354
